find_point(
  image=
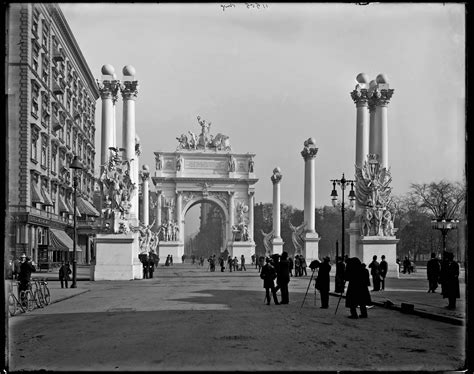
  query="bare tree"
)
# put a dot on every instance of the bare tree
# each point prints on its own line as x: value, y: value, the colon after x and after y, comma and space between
x: 442, y: 199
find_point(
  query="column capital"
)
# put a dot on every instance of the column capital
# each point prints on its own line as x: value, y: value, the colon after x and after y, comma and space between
x: 360, y: 96
x: 144, y: 175
x: 309, y: 151
x: 108, y: 89
x: 382, y: 97
x: 277, y: 175
x: 129, y: 90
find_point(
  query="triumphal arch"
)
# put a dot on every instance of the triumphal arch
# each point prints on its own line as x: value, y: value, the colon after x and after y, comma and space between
x: 203, y: 169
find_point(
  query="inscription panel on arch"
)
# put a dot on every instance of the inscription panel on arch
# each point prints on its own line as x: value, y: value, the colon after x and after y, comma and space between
x: 205, y: 164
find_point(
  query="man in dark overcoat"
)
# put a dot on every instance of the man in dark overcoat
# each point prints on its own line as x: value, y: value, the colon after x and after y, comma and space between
x: 283, y: 277
x: 151, y: 265
x: 339, y: 278
x: 358, y: 290
x: 322, y: 282
x: 451, y: 281
x: 374, y: 267
x: 433, y: 270
x: 383, y: 272
x: 268, y: 274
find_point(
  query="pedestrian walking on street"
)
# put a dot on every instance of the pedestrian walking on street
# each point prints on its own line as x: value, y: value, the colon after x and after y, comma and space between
x: 383, y: 272
x: 268, y: 274
x: 151, y: 265
x: 451, y: 281
x: 167, y: 262
x: 283, y: 277
x: 261, y: 263
x: 235, y: 263
x: 303, y: 266
x: 171, y: 260
x: 339, y: 278
x: 230, y: 263
x: 297, y: 266
x: 322, y: 282
x: 374, y: 267
x: 242, y: 263
x: 433, y: 270
x: 64, y: 272
x: 144, y: 260
x: 406, y: 265
x: 221, y: 263
x: 358, y: 289
x: 290, y: 264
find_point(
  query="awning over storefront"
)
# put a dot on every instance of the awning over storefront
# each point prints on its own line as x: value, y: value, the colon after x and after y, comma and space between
x: 60, y: 241
x: 86, y: 207
x: 36, y: 196
x: 62, y: 205
x: 47, y: 197
x: 71, y: 209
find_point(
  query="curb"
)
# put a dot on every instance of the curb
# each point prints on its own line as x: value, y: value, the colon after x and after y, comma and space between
x: 419, y: 313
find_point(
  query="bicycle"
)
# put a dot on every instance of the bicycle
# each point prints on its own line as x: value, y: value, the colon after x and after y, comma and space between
x: 45, y: 291
x: 37, y: 293
x: 25, y: 304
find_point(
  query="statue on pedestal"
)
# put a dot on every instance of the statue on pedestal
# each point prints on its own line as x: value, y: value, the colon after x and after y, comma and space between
x: 297, y: 236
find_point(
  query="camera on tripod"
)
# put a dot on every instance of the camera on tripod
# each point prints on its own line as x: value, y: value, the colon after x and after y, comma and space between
x: 314, y: 264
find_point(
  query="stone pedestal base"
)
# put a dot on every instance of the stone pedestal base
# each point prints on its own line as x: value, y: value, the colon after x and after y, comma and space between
x: 311, y: 247
x: 277, y: 245
x: 380, y: 245
x: 175, y: 249
x: 116, y: 257
x: 354, y: 236
x: 237, y: 249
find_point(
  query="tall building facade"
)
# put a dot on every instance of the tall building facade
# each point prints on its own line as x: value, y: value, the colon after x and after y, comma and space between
x: 51, y: 101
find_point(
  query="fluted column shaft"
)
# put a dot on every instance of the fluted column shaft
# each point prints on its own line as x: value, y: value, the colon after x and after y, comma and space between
x: 107, y: 120
x: 251, y: 213
x: 231, y: 214
x: 179, y: 214
x: 373, y: 131
x: 309, y: 155
x: 158, y: 210
x: 129, y: 94
x: 382, y: 134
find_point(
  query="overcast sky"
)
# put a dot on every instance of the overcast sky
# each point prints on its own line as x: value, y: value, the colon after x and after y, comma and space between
x: 269, y: 78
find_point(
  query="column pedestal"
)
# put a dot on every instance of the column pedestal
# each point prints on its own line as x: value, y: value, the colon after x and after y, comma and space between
x: 277, y: 245
x: 311, y: 247
x: 237, y: 249
x: 175, y: 249
x: 116, y: 257
x: 380, y: 245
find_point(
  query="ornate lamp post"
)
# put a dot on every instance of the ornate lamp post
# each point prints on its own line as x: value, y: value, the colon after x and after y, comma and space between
x: 343, y: 182
x: 444, y: 224
x: 75, y: 165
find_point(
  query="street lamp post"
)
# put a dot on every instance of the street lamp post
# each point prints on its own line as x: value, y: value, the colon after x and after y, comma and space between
x: 444, y: 224
x: 75, y: 165
x: 342, y: 183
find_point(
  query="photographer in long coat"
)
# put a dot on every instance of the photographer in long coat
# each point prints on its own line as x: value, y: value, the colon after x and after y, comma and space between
x: 357, y: 291
x: 322, y: 282
x: 283, y: 277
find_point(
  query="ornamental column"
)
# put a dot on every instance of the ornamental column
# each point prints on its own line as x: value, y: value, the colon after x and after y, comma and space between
x: 373, y: 130
x: 360, y: 98
x: 158, y: 210
x: 145, y: 177
x: 311, y: 245
x: 179, y: 213
x: 277, y: 242
x: 251, y: 213
x: 231, y: 215
x: 382, y: 96
x: 129, y: 90
x: 108, y: 89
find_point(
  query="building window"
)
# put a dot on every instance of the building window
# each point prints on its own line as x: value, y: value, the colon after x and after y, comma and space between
x: 44, y: 151
x: 35, y: 92
x: 45, y: 37
x: 45, y: 68
x: 34, y: 143
x: 45, y: 110
x: 68, y: 136
x: 35, y: 23
x: 74, y: 142
x: 34, y: 54
x: 54, y: 158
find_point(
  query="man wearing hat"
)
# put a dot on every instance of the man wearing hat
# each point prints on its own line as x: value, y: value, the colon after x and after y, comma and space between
x: 322, y: 282
x: 26, y: 268
x: 283, y: 277
x: 268, y: 274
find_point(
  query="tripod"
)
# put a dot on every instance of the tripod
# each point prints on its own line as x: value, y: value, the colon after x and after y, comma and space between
x: 309, y: 284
